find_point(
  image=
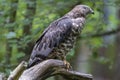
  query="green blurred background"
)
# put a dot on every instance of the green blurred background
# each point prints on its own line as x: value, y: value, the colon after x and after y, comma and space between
x: 97, y: 50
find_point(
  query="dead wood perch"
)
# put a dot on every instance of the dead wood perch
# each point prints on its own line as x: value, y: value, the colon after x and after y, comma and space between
x: 50, y: 68
x: 45, y: 70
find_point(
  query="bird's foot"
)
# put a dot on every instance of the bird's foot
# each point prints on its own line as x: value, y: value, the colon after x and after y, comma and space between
x: 67, y: 65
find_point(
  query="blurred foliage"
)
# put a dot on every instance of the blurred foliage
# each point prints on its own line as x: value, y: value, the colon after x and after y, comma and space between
x: 47, y: 11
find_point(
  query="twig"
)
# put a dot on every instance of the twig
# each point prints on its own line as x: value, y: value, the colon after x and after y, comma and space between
x: 18, y: 71
x: 101, y: 34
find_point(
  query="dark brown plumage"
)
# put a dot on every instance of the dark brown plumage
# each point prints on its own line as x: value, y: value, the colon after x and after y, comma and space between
x: 58, y: 39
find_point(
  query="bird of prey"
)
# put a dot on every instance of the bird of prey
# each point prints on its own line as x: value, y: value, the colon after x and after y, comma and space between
x: 59, y: 37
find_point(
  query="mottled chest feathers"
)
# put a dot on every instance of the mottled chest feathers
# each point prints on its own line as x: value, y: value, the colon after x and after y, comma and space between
x: 78, y: 25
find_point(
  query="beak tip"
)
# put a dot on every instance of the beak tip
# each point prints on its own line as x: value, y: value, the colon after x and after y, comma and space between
x: 92, y: 12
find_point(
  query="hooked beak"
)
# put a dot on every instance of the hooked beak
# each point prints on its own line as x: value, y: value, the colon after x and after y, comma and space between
x: 91, y: 11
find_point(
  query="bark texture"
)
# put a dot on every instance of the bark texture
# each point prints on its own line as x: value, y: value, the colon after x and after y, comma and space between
x: 50, y: 68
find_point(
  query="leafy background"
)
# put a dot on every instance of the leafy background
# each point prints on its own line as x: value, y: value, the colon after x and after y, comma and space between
x: 97, y: 50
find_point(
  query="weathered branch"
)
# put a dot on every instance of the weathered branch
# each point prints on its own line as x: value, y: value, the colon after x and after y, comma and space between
x: 73, y: 75
x: 52, y: 67
x: 41, y: 71
x: 18, y: 71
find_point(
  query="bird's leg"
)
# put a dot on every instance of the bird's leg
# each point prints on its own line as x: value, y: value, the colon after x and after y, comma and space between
x: 67, y: 64
x: 63, y: 58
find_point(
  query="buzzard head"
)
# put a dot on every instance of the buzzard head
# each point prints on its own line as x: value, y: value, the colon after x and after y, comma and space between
x: 80, y: 11
x: 83, y: 9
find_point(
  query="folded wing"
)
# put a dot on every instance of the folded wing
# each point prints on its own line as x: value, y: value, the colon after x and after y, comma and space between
x: 51, y: 38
